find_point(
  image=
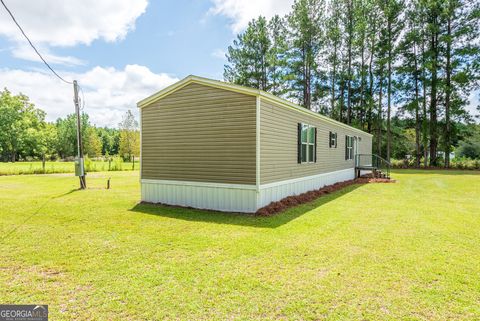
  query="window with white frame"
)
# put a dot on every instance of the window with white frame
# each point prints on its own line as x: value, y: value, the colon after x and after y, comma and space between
x: 307, y: 143
x: 332, y: 140
x: 348, y: 147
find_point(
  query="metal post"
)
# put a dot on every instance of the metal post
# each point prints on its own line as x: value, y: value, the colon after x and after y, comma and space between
x: 81, y: 171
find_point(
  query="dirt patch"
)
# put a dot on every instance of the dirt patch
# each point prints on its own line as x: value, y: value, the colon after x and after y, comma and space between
x: 291, y: 201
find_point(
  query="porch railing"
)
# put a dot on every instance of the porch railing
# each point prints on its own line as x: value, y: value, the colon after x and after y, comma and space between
x: 374, y: 162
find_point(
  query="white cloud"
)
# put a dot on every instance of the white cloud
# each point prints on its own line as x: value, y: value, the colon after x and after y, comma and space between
x: 108, y: 92
x: 71, y: 22
x: 57, y: 23
x: 240, y: 12
x: 219, y: 53
x: 27, y: 53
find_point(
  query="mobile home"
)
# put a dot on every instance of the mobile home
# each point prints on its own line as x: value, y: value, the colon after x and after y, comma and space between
x: 214, y: 145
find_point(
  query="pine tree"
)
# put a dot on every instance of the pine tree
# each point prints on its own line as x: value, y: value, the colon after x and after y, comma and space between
x: 373, y: 36
x: 433, y: 13
x: 409, y: 74
x: 333, y: 43
x: 305, y: 23
x: 423, y: 68
x: 257, y: 57
x: 276, y: 56
x: 350, y: 35
x: 459, y: 44
x: 247, y: 58
x: 356, y: 59
x: 361, y: 42
x: 392, y: 11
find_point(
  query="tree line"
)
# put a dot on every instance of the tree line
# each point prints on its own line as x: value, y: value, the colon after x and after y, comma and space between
x: 24, y: 133
x: 402, y: 70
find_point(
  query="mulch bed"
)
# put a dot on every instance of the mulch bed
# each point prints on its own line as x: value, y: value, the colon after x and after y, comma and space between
x: 291, y: 201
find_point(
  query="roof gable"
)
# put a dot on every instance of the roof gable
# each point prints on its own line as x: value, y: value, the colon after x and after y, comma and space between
x: 240, y: 89
x: 196, y: 80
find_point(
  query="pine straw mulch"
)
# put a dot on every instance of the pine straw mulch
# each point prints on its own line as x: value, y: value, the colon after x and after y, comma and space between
x: 291, y: 201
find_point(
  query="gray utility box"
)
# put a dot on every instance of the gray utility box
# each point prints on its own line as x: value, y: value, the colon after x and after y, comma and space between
x: 79, y: 167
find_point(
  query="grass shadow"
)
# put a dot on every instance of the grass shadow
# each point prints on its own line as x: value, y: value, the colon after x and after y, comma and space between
x: 191, y: 214
x: 37, y: 211
x: 66, y: 193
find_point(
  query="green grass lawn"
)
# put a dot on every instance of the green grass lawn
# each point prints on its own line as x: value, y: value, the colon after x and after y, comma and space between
x: 23, y: 168
x: 409, y: 250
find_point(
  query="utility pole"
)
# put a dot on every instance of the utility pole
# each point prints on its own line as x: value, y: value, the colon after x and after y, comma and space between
x: 79, y: 165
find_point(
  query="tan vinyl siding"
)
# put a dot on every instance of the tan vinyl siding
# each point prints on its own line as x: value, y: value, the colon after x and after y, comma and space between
x: 200, y: 133
x: 278, y: 143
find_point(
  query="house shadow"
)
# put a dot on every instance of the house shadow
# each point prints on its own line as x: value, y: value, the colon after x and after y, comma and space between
x: 243, y: 219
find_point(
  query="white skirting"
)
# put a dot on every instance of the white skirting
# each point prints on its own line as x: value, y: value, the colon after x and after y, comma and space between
x: 278, y: 190
x: 234, y: 197
x: 220, y: 197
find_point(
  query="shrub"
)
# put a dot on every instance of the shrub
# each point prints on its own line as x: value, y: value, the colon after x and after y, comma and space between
x: 465, y: 163
x: 116, y: 164
x: 469, y: 150
x: 456, y: 163
x: 89, y: 165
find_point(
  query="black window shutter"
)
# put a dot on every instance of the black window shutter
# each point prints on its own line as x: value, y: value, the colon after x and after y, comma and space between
x: 299, y: 143
x: 330, y: 139
x: 335, y: 140
x: 315, y: 150
x: 346, y: 147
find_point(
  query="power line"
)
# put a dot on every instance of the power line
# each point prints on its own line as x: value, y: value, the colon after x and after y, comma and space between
x: 81, y: 172
x: 31, y: 44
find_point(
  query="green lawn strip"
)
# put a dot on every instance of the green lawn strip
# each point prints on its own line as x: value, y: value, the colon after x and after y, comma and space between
x: 27, y: 168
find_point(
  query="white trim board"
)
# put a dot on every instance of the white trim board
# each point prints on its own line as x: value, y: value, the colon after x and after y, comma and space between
x: 140, y: 176
x: 300, y: 179
x: 257, y: 142
x: 198, y: 184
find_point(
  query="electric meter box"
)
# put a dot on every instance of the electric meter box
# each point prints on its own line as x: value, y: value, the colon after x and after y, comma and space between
x: 79, y: 168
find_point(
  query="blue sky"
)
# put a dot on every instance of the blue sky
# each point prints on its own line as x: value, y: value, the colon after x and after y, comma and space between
x: 167, y: 39
x: 120, y: 51
x: 175, y: 37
